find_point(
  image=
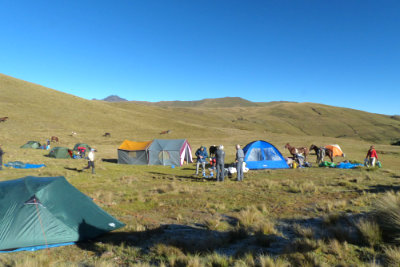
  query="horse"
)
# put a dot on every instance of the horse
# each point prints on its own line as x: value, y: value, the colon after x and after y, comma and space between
x: 213, y: 150
x: 107, y: 134
x: 321, y: 152
x: 299, y: 150
x: 165, y: 132
x: 54, y: 139
x: 73, y: 134
x: 3, y: 119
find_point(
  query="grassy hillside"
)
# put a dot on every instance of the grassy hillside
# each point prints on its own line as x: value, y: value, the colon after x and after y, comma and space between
x: 304, y: 119
x: 34, y: 109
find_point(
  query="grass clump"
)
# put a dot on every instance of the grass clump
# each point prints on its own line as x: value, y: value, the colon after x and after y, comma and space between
x: 217, y: 260
x: 302, y: 245
x: 216, y: 223
x: 302, y: 231
x: 387, y: 216
x: 392, y: 256
x: 252, y: 220
x: 305, y: 187
x: 370, y: 232
x: 268, y: 261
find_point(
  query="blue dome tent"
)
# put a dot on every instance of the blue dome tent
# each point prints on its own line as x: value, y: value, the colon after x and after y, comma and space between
x: 263, y: 155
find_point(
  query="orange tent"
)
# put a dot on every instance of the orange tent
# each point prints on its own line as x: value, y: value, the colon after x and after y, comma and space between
x: 134, y: 146
x: 337, y: 151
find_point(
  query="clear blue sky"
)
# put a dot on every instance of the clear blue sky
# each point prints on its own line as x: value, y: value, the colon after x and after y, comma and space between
x: 343, y: 53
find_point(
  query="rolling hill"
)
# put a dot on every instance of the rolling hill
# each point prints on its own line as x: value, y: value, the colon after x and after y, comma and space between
x: 34, y: 110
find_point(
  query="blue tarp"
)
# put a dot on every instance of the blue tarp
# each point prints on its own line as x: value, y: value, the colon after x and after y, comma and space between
x: 21, y: 165
x: 348, y: 165
x: 263, y: 155
x: 37, y: 247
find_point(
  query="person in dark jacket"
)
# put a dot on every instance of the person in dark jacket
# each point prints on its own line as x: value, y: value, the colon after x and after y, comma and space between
x: 239, y: 162
x: 201, y: 155
x: 1, y: 158
x: 220, y: 162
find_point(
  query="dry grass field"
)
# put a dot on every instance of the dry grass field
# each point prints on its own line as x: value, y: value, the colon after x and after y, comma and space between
x: 294, y: 217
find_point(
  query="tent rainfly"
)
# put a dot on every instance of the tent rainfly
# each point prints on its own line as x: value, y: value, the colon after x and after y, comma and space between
x: 135, y: 153
x: 156, y: 152
x: 81, y: 145
x: 263, y: 155
x: 60, y: 153
x: 336, y: 150
x: 31, y: 144
x: 48, y: 211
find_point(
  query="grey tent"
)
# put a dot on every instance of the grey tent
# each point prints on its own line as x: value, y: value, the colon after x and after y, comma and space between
x: 156, y: 152
x: 170, y: 152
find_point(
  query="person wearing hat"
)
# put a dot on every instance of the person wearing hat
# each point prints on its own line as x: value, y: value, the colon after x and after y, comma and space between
x: 1, y: 158
x: 91, y: 160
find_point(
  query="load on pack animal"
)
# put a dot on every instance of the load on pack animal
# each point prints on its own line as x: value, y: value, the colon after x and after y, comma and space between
x: 321, y: 152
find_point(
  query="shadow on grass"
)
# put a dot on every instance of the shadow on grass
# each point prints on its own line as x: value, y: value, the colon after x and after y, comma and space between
x: 110, y: 160
x: 381, y: 188
x: 189, y: 169
x: 73, y: 169
x: 193, y: 178
x: 188, y: 239
x: 237, y: 241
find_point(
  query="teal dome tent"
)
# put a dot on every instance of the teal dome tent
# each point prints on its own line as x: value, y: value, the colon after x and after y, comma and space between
x: 48, y: 211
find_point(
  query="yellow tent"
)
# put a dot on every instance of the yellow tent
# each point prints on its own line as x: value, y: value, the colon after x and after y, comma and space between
x: 337, y: 151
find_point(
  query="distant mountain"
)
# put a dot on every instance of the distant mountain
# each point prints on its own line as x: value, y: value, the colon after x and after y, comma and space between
x: 224, y: 102
x: 114, y: 98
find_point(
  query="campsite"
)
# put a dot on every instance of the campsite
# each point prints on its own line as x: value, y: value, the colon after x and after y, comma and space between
x: 276, y: 217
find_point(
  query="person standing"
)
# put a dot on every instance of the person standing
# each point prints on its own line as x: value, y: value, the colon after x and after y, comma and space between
x: 239, y: 162
x: 372, y: 156
x: 91, y: 160
x: 1, y: 158
x: 220, y: 162
x: 202, y: 155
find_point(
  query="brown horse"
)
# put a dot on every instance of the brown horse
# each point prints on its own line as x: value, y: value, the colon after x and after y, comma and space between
x: 165, y: 132
x: 54, y: 139
x: 299, y: 150
x: 107, y: 135
x: 321, y: 152
x: 3, y: 119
